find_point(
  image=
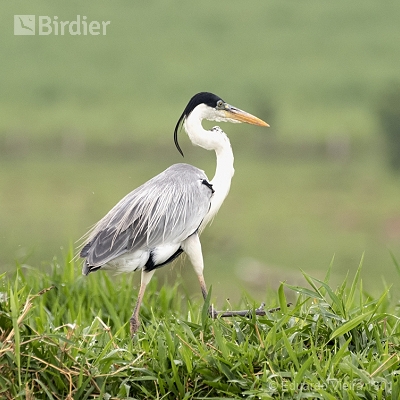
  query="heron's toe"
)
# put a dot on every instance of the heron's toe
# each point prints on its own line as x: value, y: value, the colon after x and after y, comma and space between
x: 212, y: 312
x: 134, y: 325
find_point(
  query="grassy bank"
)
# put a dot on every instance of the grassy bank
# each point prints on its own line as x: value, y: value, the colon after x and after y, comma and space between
x: 65, y: 336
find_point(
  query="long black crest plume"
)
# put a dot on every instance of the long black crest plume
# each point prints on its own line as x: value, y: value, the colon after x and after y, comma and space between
x: 207, y: 98
x: 178, y: 125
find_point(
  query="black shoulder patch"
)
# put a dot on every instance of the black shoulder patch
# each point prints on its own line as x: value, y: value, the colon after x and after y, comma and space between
x: 150, y: 264
x: 208, y: 184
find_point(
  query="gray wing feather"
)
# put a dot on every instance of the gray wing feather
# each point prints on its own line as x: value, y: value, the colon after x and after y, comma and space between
x: 166, y: 209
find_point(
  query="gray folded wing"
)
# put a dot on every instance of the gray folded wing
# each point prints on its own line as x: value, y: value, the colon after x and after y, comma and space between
x: 166, y: 209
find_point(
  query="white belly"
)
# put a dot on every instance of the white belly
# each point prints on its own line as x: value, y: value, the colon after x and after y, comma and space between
x: 130, y: 262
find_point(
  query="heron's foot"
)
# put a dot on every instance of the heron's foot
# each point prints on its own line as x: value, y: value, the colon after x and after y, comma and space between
x: 134, y: 325
x: 212, y: 312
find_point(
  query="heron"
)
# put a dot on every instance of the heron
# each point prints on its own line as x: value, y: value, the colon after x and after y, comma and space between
x: 163, y: 218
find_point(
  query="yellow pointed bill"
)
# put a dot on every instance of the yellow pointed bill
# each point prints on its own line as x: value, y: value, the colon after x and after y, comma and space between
x: 237, y: 115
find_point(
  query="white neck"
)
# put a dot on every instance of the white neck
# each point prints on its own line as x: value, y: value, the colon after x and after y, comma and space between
x: 214, y: 139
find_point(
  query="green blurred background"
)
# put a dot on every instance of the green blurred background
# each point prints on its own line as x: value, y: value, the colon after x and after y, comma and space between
x: 86, y: 119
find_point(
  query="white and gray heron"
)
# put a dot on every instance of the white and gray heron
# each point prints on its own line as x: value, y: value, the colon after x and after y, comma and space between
x: 163, y: 218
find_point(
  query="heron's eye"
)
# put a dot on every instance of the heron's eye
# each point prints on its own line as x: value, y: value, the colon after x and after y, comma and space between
x: 220, y: 104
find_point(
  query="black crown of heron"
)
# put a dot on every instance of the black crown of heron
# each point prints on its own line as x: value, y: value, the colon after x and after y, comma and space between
x: 163, y: 218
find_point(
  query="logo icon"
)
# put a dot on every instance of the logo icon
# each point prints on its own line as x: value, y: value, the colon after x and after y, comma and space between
x: 24, y: 24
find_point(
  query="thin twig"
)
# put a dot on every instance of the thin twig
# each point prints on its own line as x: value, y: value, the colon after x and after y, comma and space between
x: 246, y: 313
x: 379, y: 369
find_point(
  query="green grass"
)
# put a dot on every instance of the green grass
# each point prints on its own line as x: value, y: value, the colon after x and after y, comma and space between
x: 64, y: 336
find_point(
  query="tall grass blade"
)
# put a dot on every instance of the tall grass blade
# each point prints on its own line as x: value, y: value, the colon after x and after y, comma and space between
x: 15, y: 307
x: 395, y: 262
x: 306, y: 292
x: 328, y: 273
x: 310, y: 281
x: 335, y: 299
x: 282, y: 299
x: 353, y: 287
x: 349, y: 325
x: 290, y: 351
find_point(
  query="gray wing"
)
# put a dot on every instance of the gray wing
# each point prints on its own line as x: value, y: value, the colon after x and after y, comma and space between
x: 166, y: 209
